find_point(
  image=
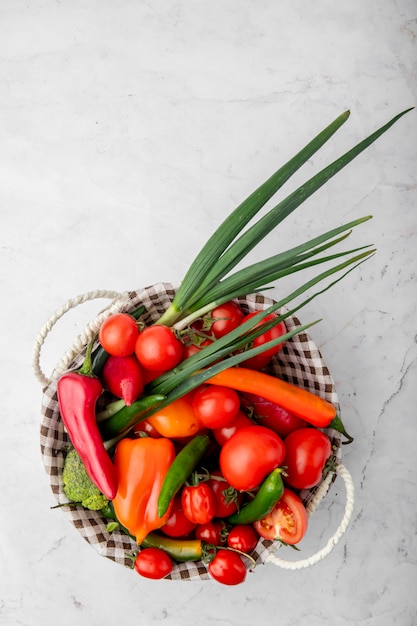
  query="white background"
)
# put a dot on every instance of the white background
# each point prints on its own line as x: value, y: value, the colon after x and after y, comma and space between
x: 128, y: 131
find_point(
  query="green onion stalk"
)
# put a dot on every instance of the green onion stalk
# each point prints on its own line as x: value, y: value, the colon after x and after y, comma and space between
x: 209, y: 281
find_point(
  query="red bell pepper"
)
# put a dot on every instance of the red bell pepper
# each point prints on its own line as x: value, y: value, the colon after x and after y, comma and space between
x: 78, y: 392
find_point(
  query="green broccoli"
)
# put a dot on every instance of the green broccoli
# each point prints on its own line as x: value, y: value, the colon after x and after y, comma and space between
x: 78, y: 486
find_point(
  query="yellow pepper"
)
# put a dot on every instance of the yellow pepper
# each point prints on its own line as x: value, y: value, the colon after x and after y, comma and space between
x: 176, y: 420
x: 141, y: 465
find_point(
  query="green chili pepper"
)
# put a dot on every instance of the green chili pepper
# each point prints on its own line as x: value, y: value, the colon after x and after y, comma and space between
x: 179, y: 549
x: 128, y: 416
x: 264, y: 501
x: 182, y: 466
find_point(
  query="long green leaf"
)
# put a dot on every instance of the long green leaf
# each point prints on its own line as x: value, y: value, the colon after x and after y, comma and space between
x: 251, y: 237
x: 242, y: 215
x: 264, y: 272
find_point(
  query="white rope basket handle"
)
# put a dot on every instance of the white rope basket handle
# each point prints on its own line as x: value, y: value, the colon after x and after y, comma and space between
x: 334, y: 540
x: 119, y: 301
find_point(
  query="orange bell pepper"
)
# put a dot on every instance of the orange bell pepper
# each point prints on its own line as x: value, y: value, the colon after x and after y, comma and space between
x: 141, y: 466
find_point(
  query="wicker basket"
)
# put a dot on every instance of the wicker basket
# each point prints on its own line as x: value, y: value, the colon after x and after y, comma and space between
x: 299, y: 362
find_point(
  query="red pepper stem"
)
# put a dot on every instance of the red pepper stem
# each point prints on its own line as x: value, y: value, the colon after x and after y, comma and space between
x: 86, y: 368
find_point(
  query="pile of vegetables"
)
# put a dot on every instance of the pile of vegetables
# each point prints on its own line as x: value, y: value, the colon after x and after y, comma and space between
x: 180, y: 436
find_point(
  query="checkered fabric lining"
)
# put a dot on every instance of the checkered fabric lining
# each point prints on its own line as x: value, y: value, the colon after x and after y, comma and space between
x: 299, y: 362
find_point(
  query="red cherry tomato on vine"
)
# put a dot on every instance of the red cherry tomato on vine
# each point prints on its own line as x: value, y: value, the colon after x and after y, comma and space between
x: 287, y: 521
x: 216, y: 406
x: 228, y: 316
x: 249, y: 455
x: 145, y: 429
x: 192, y: 348
x: 153, y: 563
x: 227, y: 498
x: 198, y: 503
x: 221, y: 435
x: 118, y: 334
x: 243, y: 537
x: 212, y: 532
x: 260, y: 361
x: 307, y: 450
x: 158, y: 348
x: 177, y: 524
x: 227, y: 568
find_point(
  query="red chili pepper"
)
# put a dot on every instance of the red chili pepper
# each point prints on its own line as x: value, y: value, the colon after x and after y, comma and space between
x: 78, y: 392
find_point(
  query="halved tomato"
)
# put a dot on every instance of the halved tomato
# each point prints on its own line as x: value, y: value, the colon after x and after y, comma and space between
x: 287, y: 521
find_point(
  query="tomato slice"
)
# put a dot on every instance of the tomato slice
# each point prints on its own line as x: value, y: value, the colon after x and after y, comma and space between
x: 287, y: 521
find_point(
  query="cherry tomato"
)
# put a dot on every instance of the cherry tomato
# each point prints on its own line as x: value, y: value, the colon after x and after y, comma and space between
x: 153, y: 563
x: 192, y: 348
x: 227, y: 568
x: 249, y: 455
x: 243, y: 537
x: 118, y: 334
x: 307, y: 450
x: 198, y: 503
x: 145, y: 429
x: 228, y: 316
x: 272, y: 415
x: 221, y: 435
x: 227, y: 498
x: 216, y: 406
x: 176, y: 420
x: 287, y: 521
x: 212, y: 532
x: 150, y: 375
x: 122, y: 375
x: 177, y: 524
x: 262, y: 360
x: 158, y: 348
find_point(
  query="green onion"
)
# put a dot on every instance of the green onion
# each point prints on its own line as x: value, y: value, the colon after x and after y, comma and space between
x: 202, y: 285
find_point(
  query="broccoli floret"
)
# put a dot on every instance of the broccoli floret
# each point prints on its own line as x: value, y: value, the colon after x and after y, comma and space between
x: 78, y: 486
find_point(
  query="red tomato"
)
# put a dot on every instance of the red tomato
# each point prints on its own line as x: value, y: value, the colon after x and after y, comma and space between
x: 144, y: 428
x: 212, y: 532
x: 262, y: 360
x: 307, y: 450
x: 158, y: 348
x: 153, y: 563
x: 227, y: 498
x: 198, y: 503
x: 249, y: 455
x: 221, y: 435
x: 269, y: 414
x: 287, y: 521
x: 177, y: 524
x: 193, y: 348
x: 243, y: 537
x: 122, y: 375
x: 227, y: 568
x: 118, y: 334
x: 228, y: 316
x: 216, y: 406
x: 149, y: 375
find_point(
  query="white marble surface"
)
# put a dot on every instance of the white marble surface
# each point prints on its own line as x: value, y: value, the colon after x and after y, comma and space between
x: 127, y: 131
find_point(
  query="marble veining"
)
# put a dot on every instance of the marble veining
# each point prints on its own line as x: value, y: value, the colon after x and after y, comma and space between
x: 128, y: 130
